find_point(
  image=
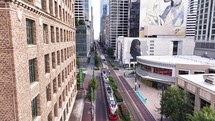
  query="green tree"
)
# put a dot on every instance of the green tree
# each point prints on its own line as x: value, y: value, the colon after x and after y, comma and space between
x: 94, y: 85
x: 81, y: 22
x: 110, y: 51
x: 77, y: 62
x: 206, y: 114
x: 175, y: 104
x: 96, y: 60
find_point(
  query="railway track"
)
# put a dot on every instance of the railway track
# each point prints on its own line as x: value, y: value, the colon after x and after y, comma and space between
x: 135, y: 113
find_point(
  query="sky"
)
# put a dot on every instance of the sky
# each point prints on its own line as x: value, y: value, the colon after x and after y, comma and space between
x: 96, y: 17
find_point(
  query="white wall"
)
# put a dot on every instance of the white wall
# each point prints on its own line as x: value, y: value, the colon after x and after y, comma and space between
x: 162, y: 45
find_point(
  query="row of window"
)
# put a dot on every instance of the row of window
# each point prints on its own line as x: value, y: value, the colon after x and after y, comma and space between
x: 57, y: 34
x: 33, y: 71
x: 35, y: 106
x: 167, y: 72
x: 62, y: 55
x: 56, y: 10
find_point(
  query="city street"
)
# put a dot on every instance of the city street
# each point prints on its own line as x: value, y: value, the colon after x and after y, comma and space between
x: 137, y: 109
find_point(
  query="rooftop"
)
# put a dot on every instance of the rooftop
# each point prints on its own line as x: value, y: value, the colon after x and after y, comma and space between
x: 199, y: 81
x: 180, y: 59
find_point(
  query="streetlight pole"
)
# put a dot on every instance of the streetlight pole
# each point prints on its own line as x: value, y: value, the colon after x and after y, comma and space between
x: 91, y: 104
x: 162, y: 103
x: 135, y: 79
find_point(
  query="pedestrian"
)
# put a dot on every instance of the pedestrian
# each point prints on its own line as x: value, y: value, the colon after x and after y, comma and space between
x: 139, y: 85
x: 109, y: 72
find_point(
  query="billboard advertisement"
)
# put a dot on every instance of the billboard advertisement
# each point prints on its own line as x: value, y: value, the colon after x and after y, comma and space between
x: 162, y: 14
x: 129, y: 48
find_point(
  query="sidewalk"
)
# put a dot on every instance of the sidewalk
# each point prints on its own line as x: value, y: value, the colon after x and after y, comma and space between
x: 151, y: 95
x: 82, y: 107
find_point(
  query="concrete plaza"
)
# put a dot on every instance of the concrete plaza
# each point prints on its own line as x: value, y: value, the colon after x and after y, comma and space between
x: 151, y: 95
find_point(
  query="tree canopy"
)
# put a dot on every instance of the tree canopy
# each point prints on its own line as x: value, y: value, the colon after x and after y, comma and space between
x: 175, y: 104
x: 110, y: 51
x: 205, y: 114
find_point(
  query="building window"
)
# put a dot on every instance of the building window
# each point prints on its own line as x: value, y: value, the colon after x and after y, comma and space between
x: 52, y: 34
x: 48, y: 92
x: 56, y: 7
x: 58, y: 58
x: 50, y: 116
x: 64, y: 35
x: 63, y: 76
x: 64, y: 95
x: 65, y: 53
x: 57, y: 34
x: 30, y: 31
x: 62, y: 56
x: 53, y: 60
x: 61, y: 35
x: 32, y: 70
x: 64, y: 115
x: 60, y: 12
x: 199, y: 72
x: 51, y: 7
x: 67, y: 108
x: 43, y: 5
x: 59, y: 80
x: 183, y: 72
x: 55, y: 110
x: 54, y: 85
x: 60, y: 102
x: 45, y: 33
x: 175, y: 47
x: 47, y: 68
x: 34, y: 106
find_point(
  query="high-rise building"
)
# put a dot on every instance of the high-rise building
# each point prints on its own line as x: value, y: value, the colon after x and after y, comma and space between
x: 38, y: 60
x: 118, y: 17
x: 84, y: 28
x: 104, y: 11
x: 134, y: 15
x: 82, y: 10
x: 205, y: 31
x: 191, y: 18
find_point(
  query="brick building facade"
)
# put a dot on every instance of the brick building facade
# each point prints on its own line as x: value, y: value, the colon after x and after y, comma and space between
x: 37, y: 60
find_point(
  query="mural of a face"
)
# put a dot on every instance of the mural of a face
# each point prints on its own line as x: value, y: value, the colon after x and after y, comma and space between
x: 135, y: 49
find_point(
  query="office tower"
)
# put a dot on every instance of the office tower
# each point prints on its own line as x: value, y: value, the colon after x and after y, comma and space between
x: 191, y: 18
x: 118, y: 20
x: 83, y: 30
x: 37, y: 60
x: 104, y: 11
x: 82, y: 10
x: 134, y: 15
x: 205, y: 32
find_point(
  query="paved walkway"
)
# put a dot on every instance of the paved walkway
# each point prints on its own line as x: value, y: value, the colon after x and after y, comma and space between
x: 82, y: 107
x: 152, y: 95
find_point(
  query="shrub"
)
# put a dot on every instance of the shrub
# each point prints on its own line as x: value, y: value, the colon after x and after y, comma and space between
x: 78, y: 80
x: 125, y: 113
x: 115, y: 68
x: 118, y: 96
x: 112, y: 83
x: 111, y: 63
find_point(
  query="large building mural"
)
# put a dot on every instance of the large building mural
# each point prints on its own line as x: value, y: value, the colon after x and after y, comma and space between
x: 163, y: 14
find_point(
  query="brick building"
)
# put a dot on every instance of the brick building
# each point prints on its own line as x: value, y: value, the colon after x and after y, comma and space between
x: 37, y: 60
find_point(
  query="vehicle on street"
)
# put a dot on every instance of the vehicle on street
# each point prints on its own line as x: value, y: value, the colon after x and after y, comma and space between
x: 111, y: 103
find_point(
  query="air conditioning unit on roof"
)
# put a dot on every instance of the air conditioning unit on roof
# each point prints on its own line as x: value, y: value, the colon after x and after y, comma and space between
x: 210, y: 79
